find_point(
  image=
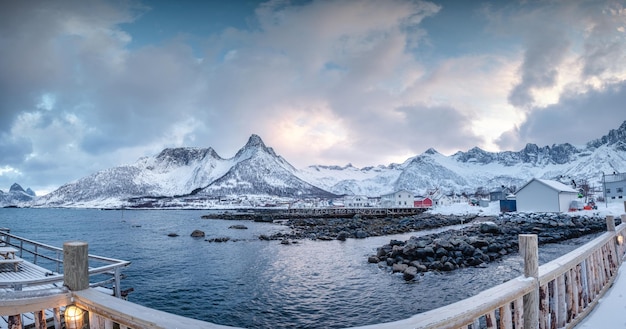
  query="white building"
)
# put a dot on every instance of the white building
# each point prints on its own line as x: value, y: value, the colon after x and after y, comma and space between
x: 356, y: 201
x: 614, y: 186
x: 542, y: 195
x: 399, y: 199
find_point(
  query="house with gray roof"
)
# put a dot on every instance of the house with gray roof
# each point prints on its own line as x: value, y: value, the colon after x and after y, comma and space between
x: 543, y: 195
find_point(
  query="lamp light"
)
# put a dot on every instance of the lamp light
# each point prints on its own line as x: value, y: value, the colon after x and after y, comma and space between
x: 74, y: 317
x: 620, y: 239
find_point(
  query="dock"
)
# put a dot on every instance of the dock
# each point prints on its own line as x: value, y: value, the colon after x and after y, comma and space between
x: 271, y: 214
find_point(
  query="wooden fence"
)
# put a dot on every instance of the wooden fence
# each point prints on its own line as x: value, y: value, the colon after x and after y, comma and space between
x: 555, y: 295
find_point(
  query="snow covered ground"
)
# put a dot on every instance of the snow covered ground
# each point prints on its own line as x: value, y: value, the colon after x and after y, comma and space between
x: 615, y: 208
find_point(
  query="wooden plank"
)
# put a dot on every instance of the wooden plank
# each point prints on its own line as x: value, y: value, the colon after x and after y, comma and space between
x: 561, y: 301
x: 570, y: 292
x: 490, y: 320
x: 543, y: 307
x: 32, y: 304
x: 40, y: 320
x: 518, y: 312
x: 506, y: 318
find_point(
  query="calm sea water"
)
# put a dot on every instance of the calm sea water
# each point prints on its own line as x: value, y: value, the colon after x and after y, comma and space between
x: 251, y: 283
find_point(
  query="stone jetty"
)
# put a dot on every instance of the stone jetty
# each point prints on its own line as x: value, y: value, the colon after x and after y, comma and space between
x: 484, y: 242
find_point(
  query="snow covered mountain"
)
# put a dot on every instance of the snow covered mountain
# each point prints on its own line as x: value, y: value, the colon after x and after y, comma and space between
x: 16, y: 195
x: 187, y: 173
x: 183, y: 174
x: 467, y: 171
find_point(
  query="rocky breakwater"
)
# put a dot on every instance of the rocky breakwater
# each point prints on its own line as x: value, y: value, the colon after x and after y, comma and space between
x: 483, y: 242
x: 358, y: 227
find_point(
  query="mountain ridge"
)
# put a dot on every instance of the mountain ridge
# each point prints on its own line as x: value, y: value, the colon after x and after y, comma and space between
x: 256, y: 170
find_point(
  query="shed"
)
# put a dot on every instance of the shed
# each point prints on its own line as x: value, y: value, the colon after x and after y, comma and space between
x: 543, y: 195
x: 423, y: 202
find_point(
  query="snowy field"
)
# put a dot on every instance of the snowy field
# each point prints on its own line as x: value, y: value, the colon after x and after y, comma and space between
x: 616, y: 209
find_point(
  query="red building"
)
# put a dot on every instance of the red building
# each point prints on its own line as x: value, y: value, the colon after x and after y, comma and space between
x: 423, y: 203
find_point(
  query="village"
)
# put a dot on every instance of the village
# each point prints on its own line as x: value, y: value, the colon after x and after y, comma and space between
x: 536, y: 195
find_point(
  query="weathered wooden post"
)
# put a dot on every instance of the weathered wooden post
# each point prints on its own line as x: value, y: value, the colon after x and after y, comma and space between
x: 528, y: 247
x: 75, y: 265
x: 615, y: 249
x: 75, y: 277
x: 610, y: 223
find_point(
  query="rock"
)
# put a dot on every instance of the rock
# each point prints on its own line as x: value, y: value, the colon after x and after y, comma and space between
x: 448, y: 266
x: 343, y: 235
x: 489, y: 227
x: 360, y: 234
x: 409, y: 273
x: 399, y: 267
x: 373, y: 259
x: 222, y: 239
x: 197, y: 234
x: 238, y: 227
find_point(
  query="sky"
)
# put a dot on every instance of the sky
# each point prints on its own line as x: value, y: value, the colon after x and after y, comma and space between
x: 90, y: 85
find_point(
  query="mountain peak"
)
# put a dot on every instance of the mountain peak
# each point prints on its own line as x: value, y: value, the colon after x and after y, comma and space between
x: 254, y: 141
x: 183, y: 156
x: 16, y: 188
x: 431, y: 151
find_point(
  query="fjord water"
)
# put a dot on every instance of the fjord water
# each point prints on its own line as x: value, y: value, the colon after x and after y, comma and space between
x: 250, y: 283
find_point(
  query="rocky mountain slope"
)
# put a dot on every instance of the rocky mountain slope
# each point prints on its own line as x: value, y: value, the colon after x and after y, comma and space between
x: 467, y: 171
x: 16, y: 195
x: 256, y: 170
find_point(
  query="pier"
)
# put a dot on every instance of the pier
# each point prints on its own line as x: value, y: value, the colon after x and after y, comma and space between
x: 270, y: 214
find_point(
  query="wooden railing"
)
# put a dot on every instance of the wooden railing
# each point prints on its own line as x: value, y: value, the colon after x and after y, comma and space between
x: 102, y: 270
x: 556, y: 295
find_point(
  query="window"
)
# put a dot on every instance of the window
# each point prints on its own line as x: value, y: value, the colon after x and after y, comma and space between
x: 620, y: 190
x: 608, y: 190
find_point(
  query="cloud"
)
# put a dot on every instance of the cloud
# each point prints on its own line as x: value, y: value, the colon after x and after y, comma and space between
x: 322, y: 82
x: 577, y: 119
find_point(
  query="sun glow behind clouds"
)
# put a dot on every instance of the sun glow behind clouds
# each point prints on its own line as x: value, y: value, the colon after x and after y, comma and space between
x: 307, y: 131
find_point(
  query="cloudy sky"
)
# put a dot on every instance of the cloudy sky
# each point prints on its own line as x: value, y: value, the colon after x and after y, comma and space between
x: 89, y: 85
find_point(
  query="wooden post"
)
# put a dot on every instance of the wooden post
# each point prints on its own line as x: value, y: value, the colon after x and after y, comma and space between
x: 14, y: 322
x: 528, y: 246
x: 610, y: 223
x: 75, y: 265
x: 40, y: 320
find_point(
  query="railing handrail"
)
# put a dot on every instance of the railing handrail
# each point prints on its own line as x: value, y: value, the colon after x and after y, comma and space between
x: 549, y: 271
x: 53, y: 248
x: 464, y: 312
x: 18, y: 242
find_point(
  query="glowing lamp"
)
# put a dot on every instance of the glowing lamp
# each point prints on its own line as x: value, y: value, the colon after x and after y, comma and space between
x: 73, y: 317
x: 620, y: 239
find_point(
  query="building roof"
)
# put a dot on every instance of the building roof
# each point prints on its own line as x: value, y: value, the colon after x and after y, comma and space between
x: 557, y: 186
